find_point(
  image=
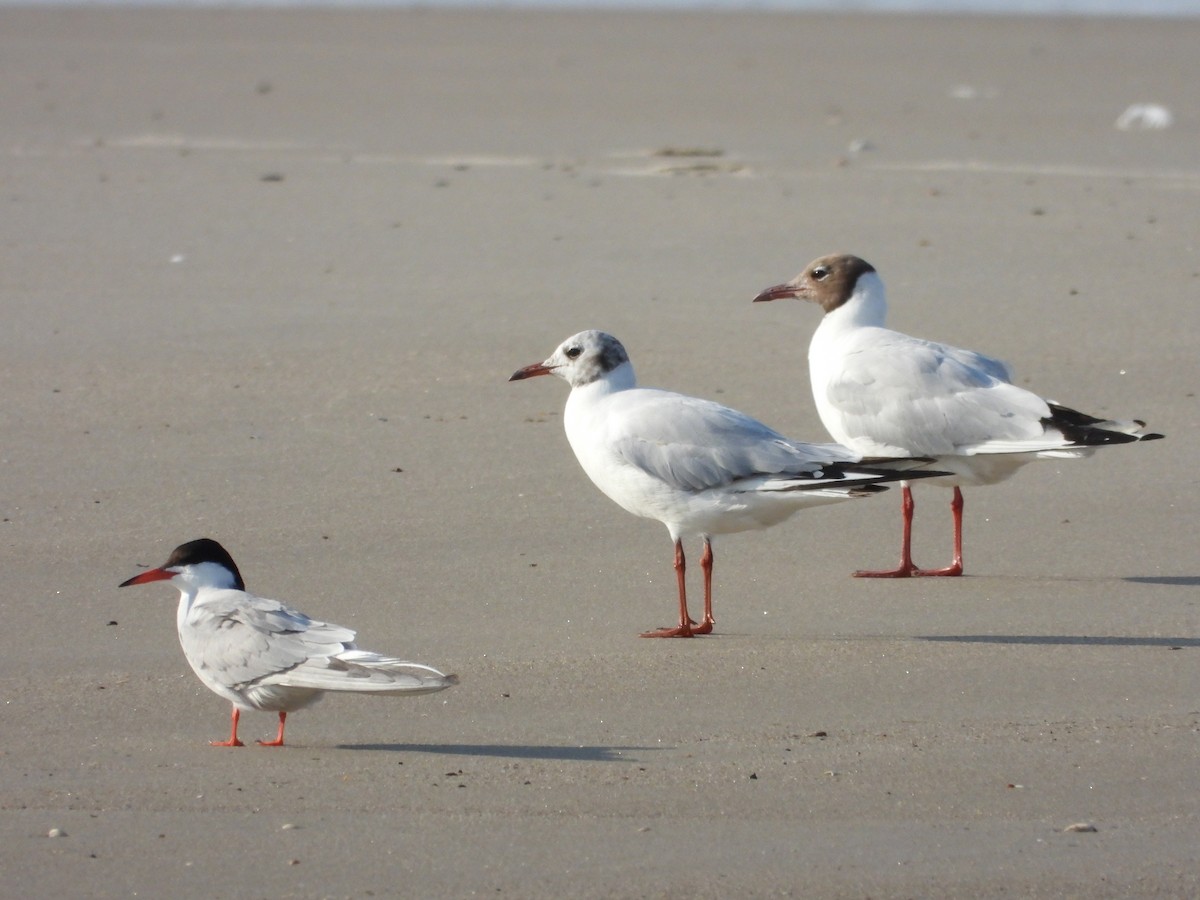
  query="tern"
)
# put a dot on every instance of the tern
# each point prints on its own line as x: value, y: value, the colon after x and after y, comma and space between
x: 260, y: 654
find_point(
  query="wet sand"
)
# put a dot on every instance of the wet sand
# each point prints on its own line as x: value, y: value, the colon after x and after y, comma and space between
x: 265, y: 275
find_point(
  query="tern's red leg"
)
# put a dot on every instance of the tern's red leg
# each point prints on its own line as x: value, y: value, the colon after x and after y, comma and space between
x: 906, y: 569
x: 955, y: 568
x: 233, y: 738
x: 684, y: 629
x: 706, y: 563
x: 278, y: 742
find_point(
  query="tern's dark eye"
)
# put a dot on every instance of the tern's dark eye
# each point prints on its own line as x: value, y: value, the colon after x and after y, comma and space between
x: 820, y: 273
x: 573, y: 352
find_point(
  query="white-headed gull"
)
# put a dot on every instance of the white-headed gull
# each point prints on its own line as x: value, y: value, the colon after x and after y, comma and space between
x: 883, y: 392
x: 262, y: 655
x: 700, y: 468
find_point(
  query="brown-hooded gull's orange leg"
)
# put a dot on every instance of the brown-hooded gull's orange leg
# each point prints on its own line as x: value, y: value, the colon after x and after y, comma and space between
x: 906, y: 569
x: 955, y: 568
x: 233, y: 738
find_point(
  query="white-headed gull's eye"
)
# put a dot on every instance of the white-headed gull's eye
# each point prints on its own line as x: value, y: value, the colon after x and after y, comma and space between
x: 573, y: 352
x: 820, y: 273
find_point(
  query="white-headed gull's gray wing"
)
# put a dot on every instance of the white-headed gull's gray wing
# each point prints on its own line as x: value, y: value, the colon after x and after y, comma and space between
x: 694, y: 444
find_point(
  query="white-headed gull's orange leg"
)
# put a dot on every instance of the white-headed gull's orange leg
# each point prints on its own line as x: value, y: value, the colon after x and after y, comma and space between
x: 706, y: 563
x: 278, y: 742
x: 684, y: 629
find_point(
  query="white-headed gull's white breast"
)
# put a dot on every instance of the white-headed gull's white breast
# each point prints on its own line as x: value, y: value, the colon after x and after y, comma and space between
x: 882, y: 392
x: 700, y: 468
x: 262, y: 655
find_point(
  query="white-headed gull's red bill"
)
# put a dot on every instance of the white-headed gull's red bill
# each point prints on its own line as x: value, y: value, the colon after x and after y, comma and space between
x: 262, y: 655
x: 882, y: 392
x: 700, y: 468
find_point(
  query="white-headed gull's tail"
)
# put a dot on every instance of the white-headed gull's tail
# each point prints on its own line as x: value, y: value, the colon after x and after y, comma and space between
x: 899, y: 468
x: 839, y: 480
x: 360, y: 671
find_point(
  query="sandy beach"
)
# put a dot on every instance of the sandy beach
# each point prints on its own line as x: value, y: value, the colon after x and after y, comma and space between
x: 265, y: 276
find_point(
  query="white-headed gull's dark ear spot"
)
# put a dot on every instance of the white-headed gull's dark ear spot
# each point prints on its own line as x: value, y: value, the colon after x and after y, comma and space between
x: 612, y: 355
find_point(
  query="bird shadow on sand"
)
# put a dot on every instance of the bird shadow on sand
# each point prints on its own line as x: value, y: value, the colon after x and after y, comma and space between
x: 1168, y: 580
x: 1171, y: 643
x: 1176, y: 580
x: 513, y: 751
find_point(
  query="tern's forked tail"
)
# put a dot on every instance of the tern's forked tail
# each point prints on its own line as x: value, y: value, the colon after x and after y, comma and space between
x: 363, y: 672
